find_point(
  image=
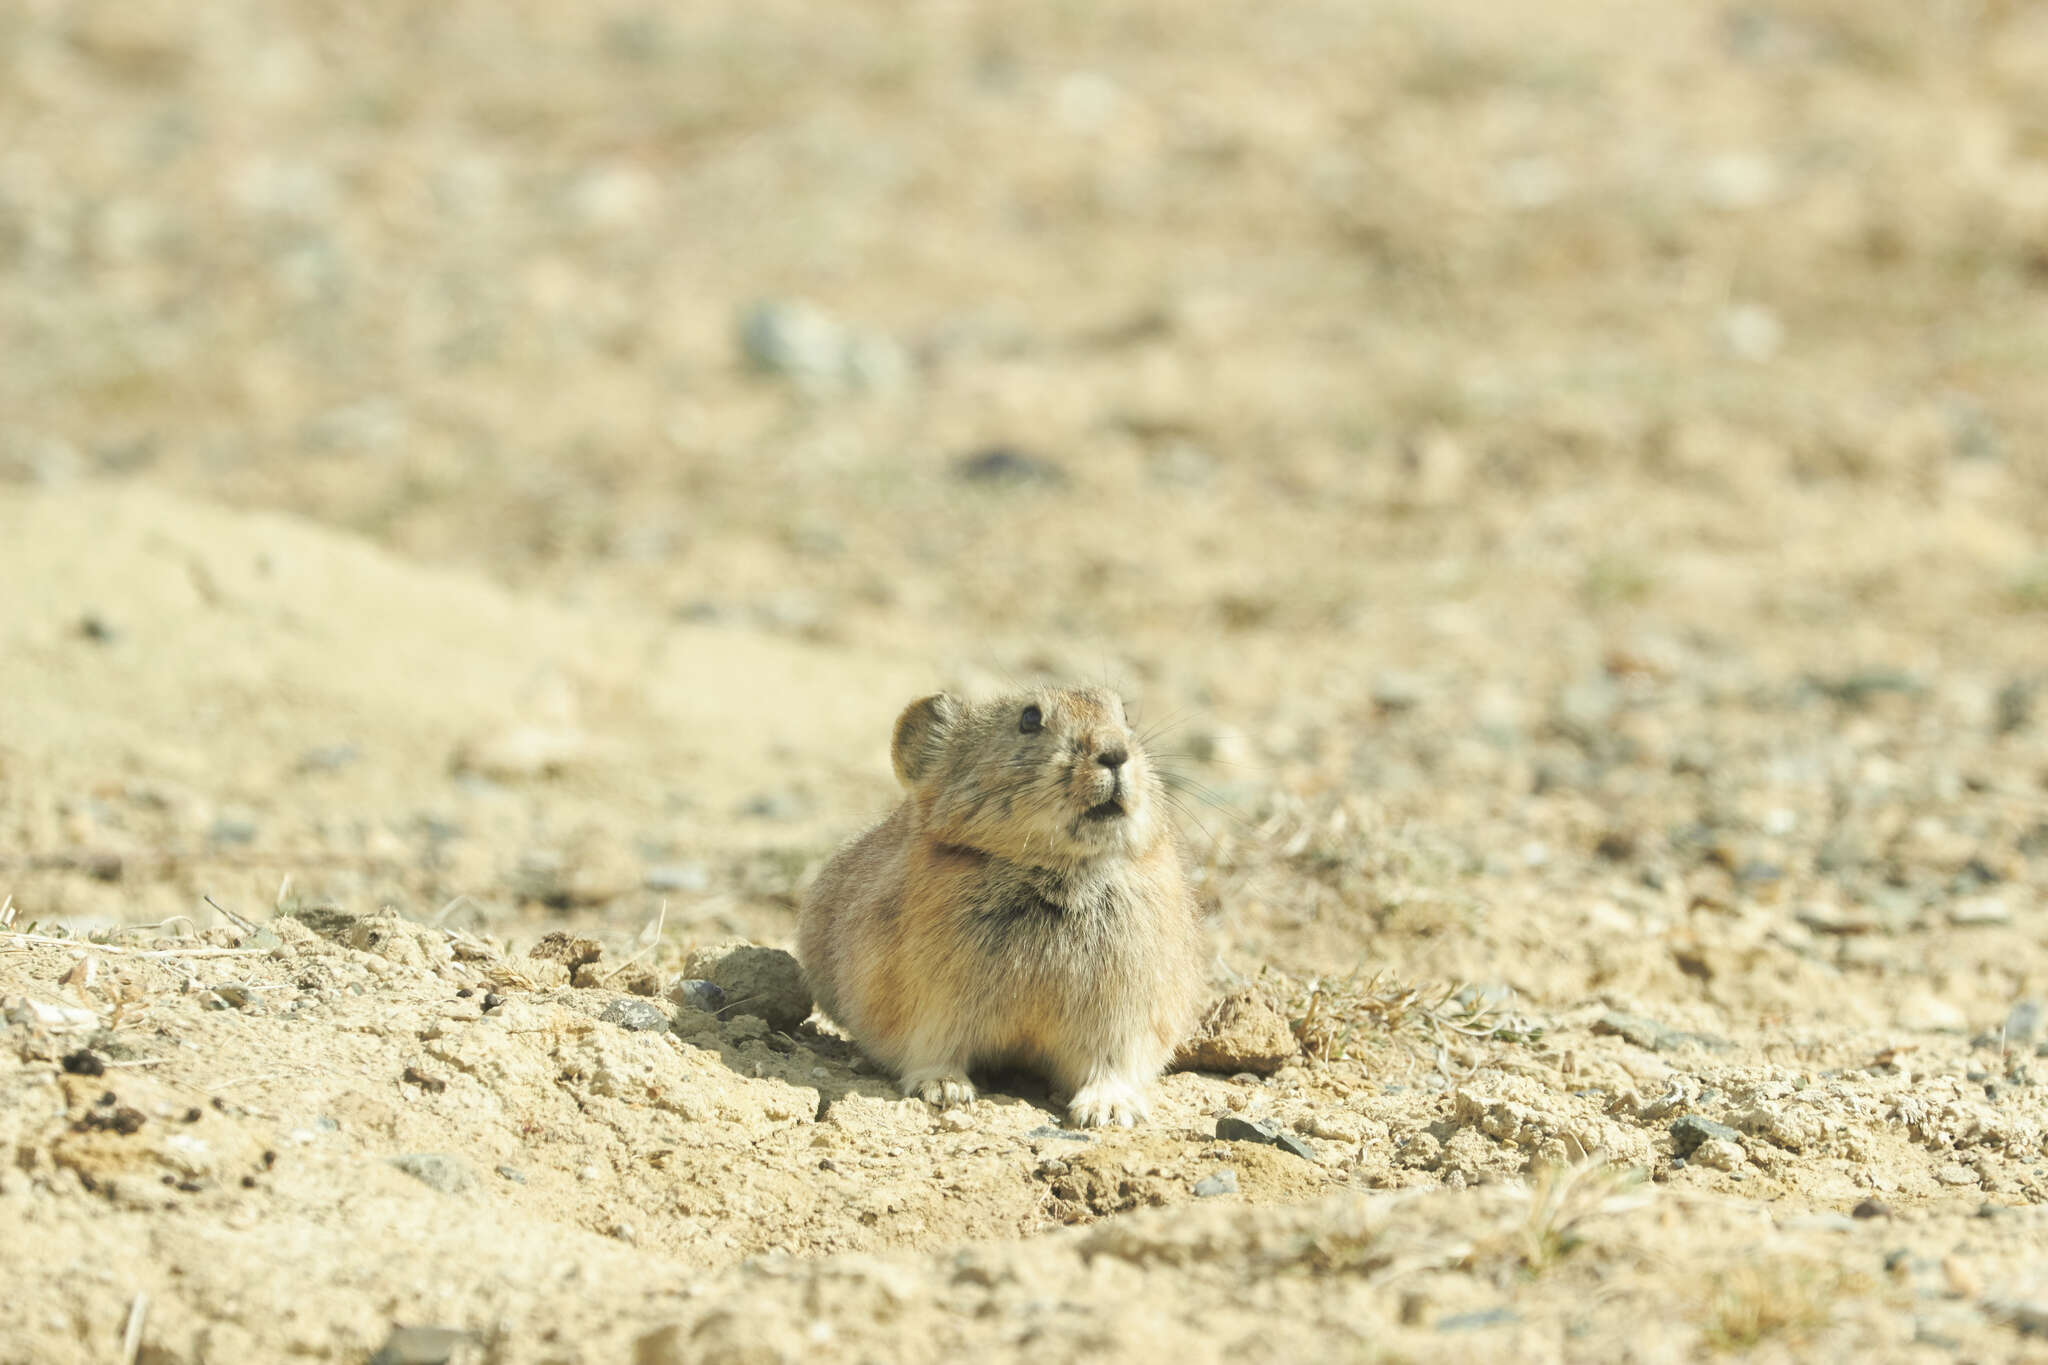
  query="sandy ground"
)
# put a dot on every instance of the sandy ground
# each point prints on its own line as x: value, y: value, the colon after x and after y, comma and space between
x: 1563, y: 485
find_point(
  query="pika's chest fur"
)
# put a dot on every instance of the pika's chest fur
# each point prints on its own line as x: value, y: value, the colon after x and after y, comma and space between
x: 1085, y: 922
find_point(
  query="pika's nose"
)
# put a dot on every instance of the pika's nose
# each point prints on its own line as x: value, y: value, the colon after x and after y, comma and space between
x: 1112, y: 759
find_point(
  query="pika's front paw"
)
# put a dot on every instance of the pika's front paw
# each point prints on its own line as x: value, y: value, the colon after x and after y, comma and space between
x: 939, y: 1089
x: 1106, y: 1104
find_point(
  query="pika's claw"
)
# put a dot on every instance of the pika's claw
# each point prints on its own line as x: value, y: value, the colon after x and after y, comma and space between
x: 1106, y: 1104
x: 940, y: 1089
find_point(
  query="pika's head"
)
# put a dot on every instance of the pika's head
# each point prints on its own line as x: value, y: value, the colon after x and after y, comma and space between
x: 1046, y: 776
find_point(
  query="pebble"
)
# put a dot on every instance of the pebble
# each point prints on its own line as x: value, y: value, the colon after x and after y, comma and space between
x: 1471, y: 1322
x: 676, y: 877
x: 1222, y: 1182
x: 420, y: 1346
x: 1980, y: 910
x: 512, y: 1173
x: 1046, y: 1130
x: 448, y: 1174
x: 1231, y: 1128
x: 698, y: 994
x: 1008, y: 465
x: 1720, y: 1155
x: 798, y: 341
x: 635, y: 1014
x: 2023, y: 1021
x: 1689, y: 1132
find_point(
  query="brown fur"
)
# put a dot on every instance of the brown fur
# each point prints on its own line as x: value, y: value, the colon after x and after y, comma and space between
x: 1027, y: 904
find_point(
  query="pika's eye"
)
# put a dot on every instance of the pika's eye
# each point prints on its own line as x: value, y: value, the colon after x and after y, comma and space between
x: 1031, y: 722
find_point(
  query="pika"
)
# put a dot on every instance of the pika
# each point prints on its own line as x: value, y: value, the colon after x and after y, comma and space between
x: 1027, y: 904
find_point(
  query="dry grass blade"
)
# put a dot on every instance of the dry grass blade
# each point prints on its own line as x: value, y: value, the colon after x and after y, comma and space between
x: 48, y: 940
x: 652, y: 934
x: 1563, y: 1198
x: 131, y: 1335
x: 1781, y: 1298
x: 1332, y: 1012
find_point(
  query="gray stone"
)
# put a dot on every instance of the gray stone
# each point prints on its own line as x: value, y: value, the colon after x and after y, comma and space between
x: 764, y: 982
x: 1295, y: 1145
x: 1008, y: 465
x: 1223, y: 1182
x: 1690, y: 1131
x: 2023, y: 1021
x: 707, y: 996
x: 1231, y: 1128
x: 676, y: 877
x: 1063, y: 1134
x: 448, y: 1174
x: 636, y: 1014
x: 801, y: 343
x: 420, y: 1346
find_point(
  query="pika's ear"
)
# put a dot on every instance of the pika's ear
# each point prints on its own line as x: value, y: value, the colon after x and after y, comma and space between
x: 921, y: 735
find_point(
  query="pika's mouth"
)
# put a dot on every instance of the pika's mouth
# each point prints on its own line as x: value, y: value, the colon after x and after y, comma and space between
x: 1112, y: 809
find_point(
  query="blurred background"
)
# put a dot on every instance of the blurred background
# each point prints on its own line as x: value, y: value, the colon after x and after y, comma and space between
x: 1567, y: 459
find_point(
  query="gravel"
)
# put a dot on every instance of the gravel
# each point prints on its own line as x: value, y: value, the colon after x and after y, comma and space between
x: 448, y: 1174
x: 1689, y: 1132
x: 636, y: 1014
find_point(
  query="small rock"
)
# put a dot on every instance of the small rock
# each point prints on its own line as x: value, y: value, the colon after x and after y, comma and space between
x: 420, y: 1346
x: 84, y: 1062
x: 448, y: 1174
x: 517, y: 752
x: 1222, y: 1182
x: 1398, y: 691
x: 1871, y: 1208
x: 1241, y: 1033
x: 1231, y: 1128
x: 1823, y: 918
x: 328, y: 758
x: 1955, y: 1173
x: 1063, y: 1134
x: 776, y: 805
x: 636, y: 1014
x: 2023, y: 1021
x: 1978, y: 910
x: 800, y: 342
x: 232, y: 830
x: 698, y: 995
x: 676, y: 877
x: 1472, y: 1322
x: 1719, y: 1155
x: 1647, y: 1034
x: 1926, y: 1012
x: 1296, y: 1145
x: 1008, y: 465
x: 1690, y: 1131
x: 764, y: 982
x: 956, y: 1121
x: 512, y: 1173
